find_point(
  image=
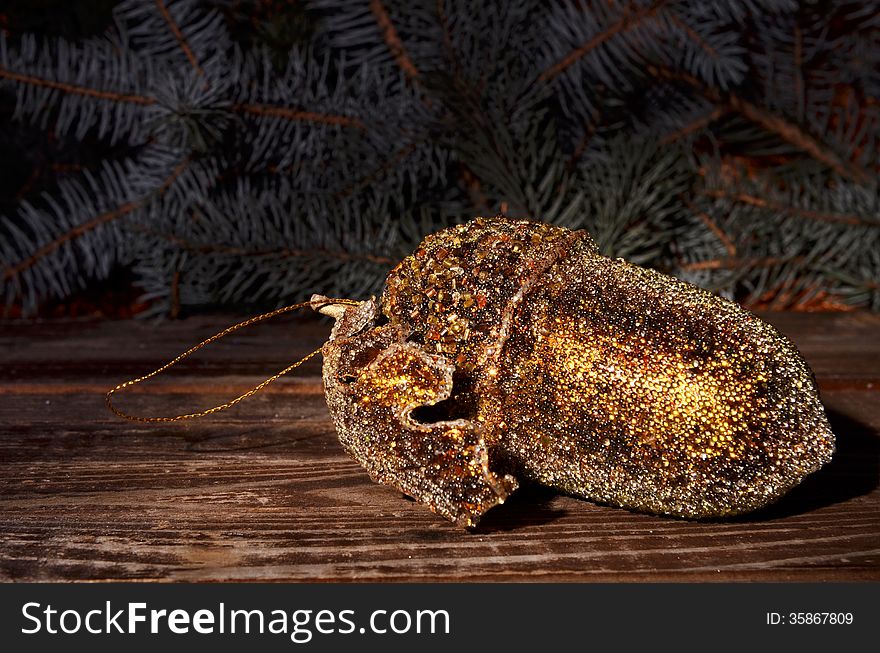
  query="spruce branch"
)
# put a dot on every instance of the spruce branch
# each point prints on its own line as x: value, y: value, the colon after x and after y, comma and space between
x: 733, y: 263
x: 693, y: 36
x: 374, y: 175
x: 580, y: 149
x: 694, y: 126
x: 76, y: 89
x: 448, y: 47
x: 733, y: 144
x: 778, y: 125
x: 84, y: 228
x: 181, y: 39
x: 285, y: 113
x: 392, y: 40
x: 713, y: 227
x: 294, y: 115
x: 341, y: 256
x: 796, y: 136
x: 630, y: 18
x: 795, y: 211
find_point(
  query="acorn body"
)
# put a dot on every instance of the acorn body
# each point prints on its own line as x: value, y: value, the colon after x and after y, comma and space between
x: 513, y: 351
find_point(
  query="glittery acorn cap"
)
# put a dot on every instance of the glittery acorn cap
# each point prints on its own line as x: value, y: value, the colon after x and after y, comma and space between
x: 451, y: 292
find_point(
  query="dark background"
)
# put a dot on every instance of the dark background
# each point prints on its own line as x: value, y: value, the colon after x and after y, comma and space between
x: 731, y: 144
x: 31, y: 159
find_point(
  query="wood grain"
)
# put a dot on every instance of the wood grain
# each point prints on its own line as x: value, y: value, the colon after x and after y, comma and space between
x: 265, y: 492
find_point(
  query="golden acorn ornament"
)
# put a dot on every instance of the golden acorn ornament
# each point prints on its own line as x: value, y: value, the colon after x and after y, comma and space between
x: 508, y: 350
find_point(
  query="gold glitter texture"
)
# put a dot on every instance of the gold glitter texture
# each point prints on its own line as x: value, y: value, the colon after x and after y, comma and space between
x: 513, y: 350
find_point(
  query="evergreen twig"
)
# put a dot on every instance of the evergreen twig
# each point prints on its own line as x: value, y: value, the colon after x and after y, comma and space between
x: 732, y: 144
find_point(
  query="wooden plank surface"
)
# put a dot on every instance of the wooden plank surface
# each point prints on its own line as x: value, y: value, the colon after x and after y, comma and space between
x: 265, y: 492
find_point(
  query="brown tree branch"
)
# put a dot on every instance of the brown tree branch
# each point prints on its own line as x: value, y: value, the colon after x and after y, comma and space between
x: 75, y: 89
x: 713, y: 227
x: 693, y: 36
x: 799, y: 138
x: 399, y: 156
x: 181, y: 39
x: 732, y: 263
x: 810, y: 299
x: 760, y: 202
x: 284, y: 252
x: 447, y: 39
x: 392, y: 40
x: 798, y: 63
x: 787, y: 131
x: 91, y: 225
x: 628, y: 20
x: 584, y: 142
x: 301, y: 116
x: 144, y: 100
x: 696, y: 125
x: 474, y: 188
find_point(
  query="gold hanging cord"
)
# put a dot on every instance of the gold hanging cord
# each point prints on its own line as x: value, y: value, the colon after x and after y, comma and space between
x: 217, y: 336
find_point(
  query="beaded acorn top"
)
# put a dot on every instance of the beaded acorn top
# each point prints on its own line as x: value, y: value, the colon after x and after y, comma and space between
x: 451, y: 293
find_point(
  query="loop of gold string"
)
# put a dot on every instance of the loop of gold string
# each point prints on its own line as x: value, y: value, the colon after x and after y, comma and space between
x: 217, y: 336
